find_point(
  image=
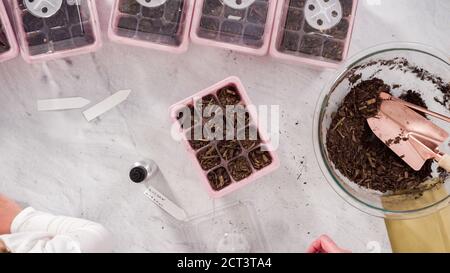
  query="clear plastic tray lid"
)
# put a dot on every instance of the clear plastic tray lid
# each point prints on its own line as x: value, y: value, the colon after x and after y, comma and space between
x: 232, y: 229
x: 56, y: 25
x: 240, y: 22
x: 156, y: 21
x: 316, y: 29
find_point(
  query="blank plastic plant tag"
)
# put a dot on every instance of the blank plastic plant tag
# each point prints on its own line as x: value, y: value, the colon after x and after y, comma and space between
x: 163, y: 202
x: 62, y: 104
x: 106, y: 105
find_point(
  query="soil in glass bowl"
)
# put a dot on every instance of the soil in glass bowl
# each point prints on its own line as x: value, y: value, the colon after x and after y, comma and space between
x: 359, y: 154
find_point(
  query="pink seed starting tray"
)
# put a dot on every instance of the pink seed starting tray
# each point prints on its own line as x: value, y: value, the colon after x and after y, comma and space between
x: 316, y: 32
x: 231, y: 153
x: 8, y: 44
x: 156, y: 24
x: 56, y: 29
x: 239, y: 25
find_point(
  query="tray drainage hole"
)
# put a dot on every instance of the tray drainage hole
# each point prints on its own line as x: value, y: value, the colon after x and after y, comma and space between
x: 311, y: 7
x: 320, y: 22
x: 334, y: 13
x: 238, y: 2
x: 44, y: 9
x: 148, y: 1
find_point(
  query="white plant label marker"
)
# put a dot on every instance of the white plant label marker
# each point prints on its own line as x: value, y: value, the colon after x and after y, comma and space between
x: 62, y: 104
x: 106, y: 105
x: 163, y: 202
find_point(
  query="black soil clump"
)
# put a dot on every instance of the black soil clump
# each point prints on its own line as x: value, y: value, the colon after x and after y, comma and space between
x: 359, y: 154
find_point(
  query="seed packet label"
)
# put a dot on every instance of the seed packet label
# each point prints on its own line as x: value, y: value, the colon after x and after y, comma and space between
x: 166, y: 204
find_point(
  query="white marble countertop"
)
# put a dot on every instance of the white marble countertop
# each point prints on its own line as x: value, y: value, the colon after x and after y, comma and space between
x: 59, y: 162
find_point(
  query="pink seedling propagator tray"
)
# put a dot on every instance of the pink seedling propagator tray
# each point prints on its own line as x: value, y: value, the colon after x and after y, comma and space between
x: 165, y: 27
x: 245, y: 30
x: 296, y: 41
x: 246, y: 151
x: 7, y: 32
x: 71, y: 30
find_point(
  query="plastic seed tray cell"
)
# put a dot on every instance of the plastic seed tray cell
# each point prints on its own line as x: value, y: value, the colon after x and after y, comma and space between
x: 313, y: 31
x: 158, y: 24
x: 8, y: 45
x: 237, y: 25
x: 54, y: 29
x: 227, y: 148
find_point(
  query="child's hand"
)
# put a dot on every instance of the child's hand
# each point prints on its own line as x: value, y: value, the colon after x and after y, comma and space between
x: 8, y: 211
x: 325, y: 245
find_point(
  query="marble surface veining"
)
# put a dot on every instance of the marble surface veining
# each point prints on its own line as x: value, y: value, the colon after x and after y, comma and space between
x: 57, y: 161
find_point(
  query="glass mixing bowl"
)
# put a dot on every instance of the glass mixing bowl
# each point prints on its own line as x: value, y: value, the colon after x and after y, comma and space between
x: 387, y: 62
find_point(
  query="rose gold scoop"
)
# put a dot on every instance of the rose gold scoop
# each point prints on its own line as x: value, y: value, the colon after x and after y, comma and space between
x: 411, y: 136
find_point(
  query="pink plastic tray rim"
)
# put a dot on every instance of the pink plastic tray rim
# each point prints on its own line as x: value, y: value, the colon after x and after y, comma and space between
x: 14, y: 48
x: 63, y: 53
x: 263, y: 50
x: 296, y: 59
x: 192, y: 153
x: 183, y: 47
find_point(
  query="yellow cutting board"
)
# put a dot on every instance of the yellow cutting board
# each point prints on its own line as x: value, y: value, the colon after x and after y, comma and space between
x: 429, y: 233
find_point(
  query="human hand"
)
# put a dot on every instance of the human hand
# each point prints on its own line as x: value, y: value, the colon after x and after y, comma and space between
x: 325, y: 244
x: 8, y: 211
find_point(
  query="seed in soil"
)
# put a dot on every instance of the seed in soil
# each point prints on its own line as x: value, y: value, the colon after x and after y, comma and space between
x: 229, y: 95
x: 231, y: 31
x: 208, y: 158
x: 259, y: 158
x: 249, y: 138
x: 153, y: 13
x: 340, y: 30
x: 229, y: 149
x: 173, y: 11
x: 131, y: 7
x: 209, y: 27
x: 253, y: 35
x: 150, y: 26
x: 239, y: 169
x: 234, y: 14
x: 212, y: 7
x: 333, y: 50
x: 32, y: 23
x: 196, y: 138
x: 297, y: 3
x: 294, y: 19
x: 290, y: 41
x: 257, y: 13
x: 311, y: 44
x: 219, y: 178
x: 360, y: 155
